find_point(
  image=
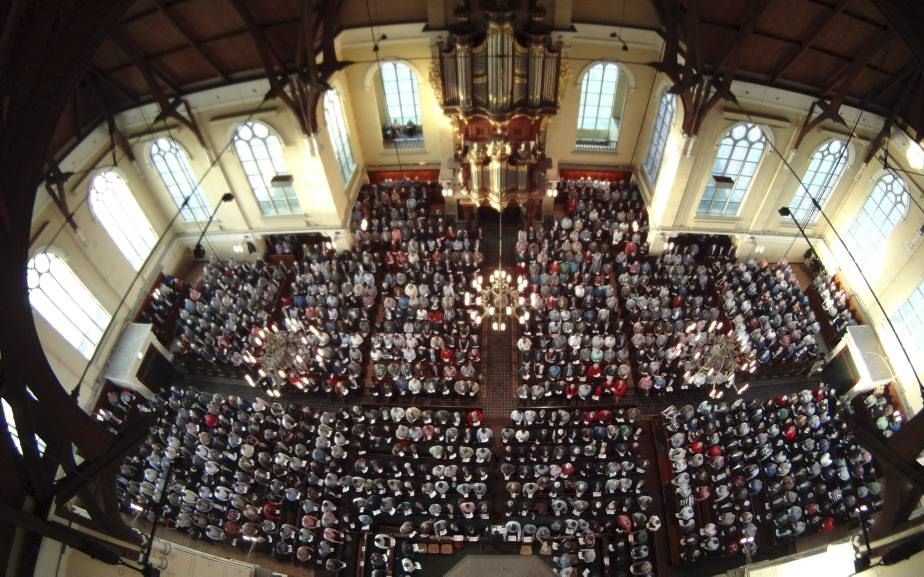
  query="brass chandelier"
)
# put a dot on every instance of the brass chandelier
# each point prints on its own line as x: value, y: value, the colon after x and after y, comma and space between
x: 277, y: 354
x: 499, y: 299
x: 719, y: 364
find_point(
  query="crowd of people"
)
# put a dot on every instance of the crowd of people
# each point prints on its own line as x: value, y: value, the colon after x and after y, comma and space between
x: 789, y: 463
x: 671, y: 307
x: 426, y: 342
x: 573, y: 345
x: 393, y: 317
x: 835, y: 302
x: 576, y: 476
x: 222, y: 308
x: 246, y: 473
x: 297, y: 483
x: 329, y: 315
x: 769, y: 311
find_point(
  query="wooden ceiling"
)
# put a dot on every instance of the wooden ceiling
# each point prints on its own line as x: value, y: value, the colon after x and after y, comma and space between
x: 839, y: 51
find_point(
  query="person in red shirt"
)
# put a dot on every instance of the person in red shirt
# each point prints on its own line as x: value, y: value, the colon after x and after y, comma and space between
x: 594, y: 371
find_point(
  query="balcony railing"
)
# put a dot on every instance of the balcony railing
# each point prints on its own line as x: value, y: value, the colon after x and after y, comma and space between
x: 591, y: 145
x: 406, y: 143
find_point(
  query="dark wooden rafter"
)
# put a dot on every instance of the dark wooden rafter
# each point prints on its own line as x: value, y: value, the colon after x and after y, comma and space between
x: 75, y: 108
x: 718, y: 87
x: 169, y: 106
x: 24, y: 415
x: 903, y: 477
x: 818, y: 27
x: 153, y: 74
x: 838, y: 86
x: 328, y: 33
x: 115, y: 84
x: 729, y: 58
x: 684, y: 74
x: 54, y: 185
x: 698, y: 92
x: 275, y: 68
x: 905, y: 18
x: 117, y: 138
x: 195, y: 44
x: 882, y: 136
x: 300, y: 90
x: 848, y: 71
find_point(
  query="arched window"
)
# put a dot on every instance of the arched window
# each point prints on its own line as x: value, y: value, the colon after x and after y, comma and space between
x: 662, y: 129
x: 909, y: 322
x: 339, y: 137
x: 260, y: 152
x: 11, y: 428
x: 883, y: 210
x: 172, y: 164
x: 59, y: 296
x: 823, y: 173
x: 603, y: 92
x: 735, y: 163
x: 399, y: 106
x: 117, y: 210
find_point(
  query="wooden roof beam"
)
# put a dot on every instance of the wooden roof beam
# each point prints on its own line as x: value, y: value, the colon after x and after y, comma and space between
x: 694, y: 37
x: 886, y: 129
x: 194, y: 43
x: 169, y: 108
x: 667, y: 14
x: 819, y: 26
x: 756, y: 9
x: 890, y: 82
x: 118, y: 86
x: 54, y: 185
x: 147, y: 68
x: 905, y: 17
x: 846, y: 74
x: 116, y: 136
x: 260, y: 40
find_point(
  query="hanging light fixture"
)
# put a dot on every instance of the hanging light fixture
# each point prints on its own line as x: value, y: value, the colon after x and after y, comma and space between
x: 717, y: 366
x: 497, y: 297
x: 277, y: 354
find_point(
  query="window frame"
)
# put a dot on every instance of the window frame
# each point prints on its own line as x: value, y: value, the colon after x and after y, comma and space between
x: 908, y: 319
x: 63, y: 303
x: 120, y: 215
x: 722, y: 166
x: 660, y: 134
x: 591, y: 103
x: 821, y: 187
x: 337, y: 131
x: 10, y: 419
x: 260, y: 150
x: 866, y: 235
x: 412, y: 96
x: 182, y: 183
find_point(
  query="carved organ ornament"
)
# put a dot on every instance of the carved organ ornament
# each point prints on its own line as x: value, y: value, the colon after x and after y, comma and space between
x: 499, y: 80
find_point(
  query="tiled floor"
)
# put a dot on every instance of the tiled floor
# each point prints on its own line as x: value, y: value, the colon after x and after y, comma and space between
x: 499, y: 371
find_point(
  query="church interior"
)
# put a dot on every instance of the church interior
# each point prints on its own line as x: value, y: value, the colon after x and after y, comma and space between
x: 395, y: 288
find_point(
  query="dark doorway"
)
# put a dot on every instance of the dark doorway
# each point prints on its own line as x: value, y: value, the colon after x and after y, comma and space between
x: 495, y: 233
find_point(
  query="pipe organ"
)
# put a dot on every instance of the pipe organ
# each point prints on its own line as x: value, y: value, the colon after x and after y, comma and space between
x: 499, y: 82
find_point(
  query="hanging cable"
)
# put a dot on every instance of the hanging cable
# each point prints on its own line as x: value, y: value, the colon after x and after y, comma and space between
x: 378, y: 62
x: 160, y: 239
x: 818, y: 207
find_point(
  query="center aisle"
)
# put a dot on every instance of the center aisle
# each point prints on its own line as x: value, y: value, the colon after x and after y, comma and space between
x: 499, y: 372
